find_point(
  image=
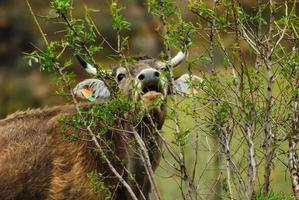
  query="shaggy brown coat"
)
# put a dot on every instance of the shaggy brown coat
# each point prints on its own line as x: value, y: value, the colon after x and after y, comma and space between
x: 38, y: 162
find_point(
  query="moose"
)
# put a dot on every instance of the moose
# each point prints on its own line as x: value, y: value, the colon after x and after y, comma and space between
x: 38, y: 161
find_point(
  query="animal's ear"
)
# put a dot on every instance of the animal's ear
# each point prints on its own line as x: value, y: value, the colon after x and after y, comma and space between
x: 182, y: 84
x: 92, y: 90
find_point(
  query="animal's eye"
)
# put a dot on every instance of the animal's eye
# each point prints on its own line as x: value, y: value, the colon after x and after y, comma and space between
x: 120, y: 77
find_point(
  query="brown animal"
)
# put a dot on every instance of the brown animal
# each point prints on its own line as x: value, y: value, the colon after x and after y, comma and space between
x: 39, y: 161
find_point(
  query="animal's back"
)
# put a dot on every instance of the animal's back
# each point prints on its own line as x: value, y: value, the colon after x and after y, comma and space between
x: 37, y: 161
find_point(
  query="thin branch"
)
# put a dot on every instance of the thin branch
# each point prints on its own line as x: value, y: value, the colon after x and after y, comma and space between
x: 37, y: 23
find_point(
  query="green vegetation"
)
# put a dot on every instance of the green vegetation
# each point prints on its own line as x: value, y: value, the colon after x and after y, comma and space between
x: 236, y: 137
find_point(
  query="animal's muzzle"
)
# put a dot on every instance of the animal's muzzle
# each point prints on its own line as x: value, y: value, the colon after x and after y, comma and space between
x: 150, y: 80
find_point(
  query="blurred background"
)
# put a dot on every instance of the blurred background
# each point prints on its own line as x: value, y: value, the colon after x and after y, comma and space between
x: 23, y: 87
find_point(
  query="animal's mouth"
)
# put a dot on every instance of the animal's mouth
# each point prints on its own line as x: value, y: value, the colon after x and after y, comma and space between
x: 151, y: 88
x: 151, y: 93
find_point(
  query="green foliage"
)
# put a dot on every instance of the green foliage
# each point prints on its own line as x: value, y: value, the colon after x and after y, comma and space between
x: 231, y: 102
x: 274, y: 196
x: 61, y: 6
x: 206, y: 59
x: 119, y: 23
x: 182, y: 138
x: 258, y: 20
x: 108, y: 112
x: 202, y: 8
x: 46, y: 58
x: 179, y: 32
x: 163, y: 8
x: 105, y: 114
x: 95, y: 181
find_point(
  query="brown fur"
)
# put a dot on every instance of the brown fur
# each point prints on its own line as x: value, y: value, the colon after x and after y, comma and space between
x: 38, y: 161
x: 33, y: 156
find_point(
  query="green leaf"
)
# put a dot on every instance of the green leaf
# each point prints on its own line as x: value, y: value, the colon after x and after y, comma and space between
x: 206, y: 59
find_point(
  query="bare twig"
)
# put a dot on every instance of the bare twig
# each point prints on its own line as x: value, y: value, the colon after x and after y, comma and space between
x: 267, y: 124
x: 37, y: 23
x: 293, y: 158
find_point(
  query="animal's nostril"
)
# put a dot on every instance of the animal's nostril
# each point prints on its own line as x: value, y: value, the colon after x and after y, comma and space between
x: 157, y: 74
x: 141, y: 77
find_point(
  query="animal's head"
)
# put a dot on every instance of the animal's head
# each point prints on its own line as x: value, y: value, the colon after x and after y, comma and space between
x: 146, y: 79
